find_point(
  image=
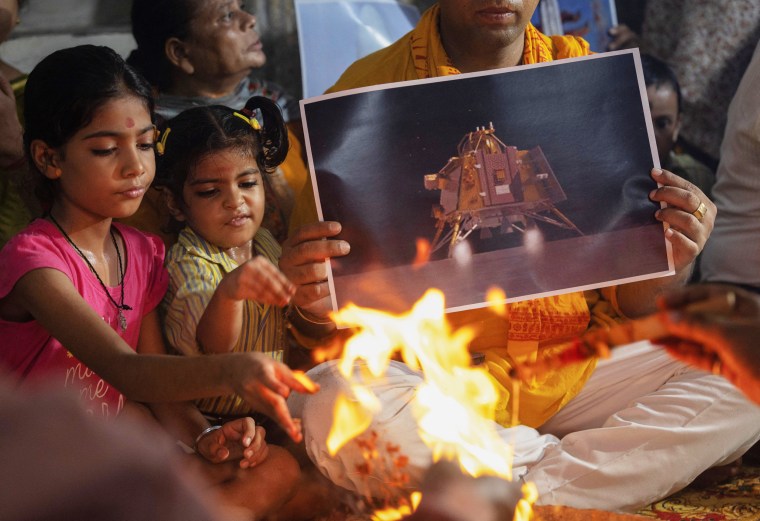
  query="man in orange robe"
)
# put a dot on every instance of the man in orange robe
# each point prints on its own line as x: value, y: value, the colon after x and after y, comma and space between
x: 627, y: 422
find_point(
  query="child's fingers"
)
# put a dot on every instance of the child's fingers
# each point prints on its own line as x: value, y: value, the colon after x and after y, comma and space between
x: 222, y: 453
x: 298, y: 381
x: 264, y: 283
x: 212, y: 447
x: 282, y: 415
x: 265, y: 384
x: 283, y: 380
x: 255, y: 459
x: 278, y: 409
x: 240, y: 430
x: 257, y: 451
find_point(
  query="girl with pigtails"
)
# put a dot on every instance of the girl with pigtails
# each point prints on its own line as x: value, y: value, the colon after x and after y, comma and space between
x: 226, y: 293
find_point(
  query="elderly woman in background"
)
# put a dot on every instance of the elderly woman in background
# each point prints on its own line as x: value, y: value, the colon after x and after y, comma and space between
x: 204, y: 52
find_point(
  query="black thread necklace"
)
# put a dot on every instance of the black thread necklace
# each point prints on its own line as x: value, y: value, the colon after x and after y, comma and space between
x: 119, y: 307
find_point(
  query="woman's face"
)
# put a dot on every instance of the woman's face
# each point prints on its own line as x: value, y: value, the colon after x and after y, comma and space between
x: 223, y: 41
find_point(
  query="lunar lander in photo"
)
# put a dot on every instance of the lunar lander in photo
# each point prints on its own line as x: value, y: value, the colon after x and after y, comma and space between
x: 491, y: 185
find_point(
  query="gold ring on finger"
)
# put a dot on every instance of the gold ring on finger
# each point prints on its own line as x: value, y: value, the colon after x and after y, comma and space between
x: 700, y: 212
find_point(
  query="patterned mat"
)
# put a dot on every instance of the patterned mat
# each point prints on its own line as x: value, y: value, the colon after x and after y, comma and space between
x: 738, y: 498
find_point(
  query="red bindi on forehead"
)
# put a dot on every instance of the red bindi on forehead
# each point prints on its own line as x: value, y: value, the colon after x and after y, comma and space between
x: 130, y: 122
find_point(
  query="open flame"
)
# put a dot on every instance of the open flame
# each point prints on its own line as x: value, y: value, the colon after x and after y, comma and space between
x: 304, y: 380
x: 497, y: 301
x: 393, y: 514
x: 524, y: 508
x: 455, y: 407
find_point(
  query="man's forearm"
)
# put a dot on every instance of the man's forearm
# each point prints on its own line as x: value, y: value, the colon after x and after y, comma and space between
x: 640, y: 298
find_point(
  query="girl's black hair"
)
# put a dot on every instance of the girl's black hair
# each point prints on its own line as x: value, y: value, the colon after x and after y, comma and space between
x: 153, y: 23
x: 659, y: 73
x: 65, y: 90
x: 198, y: 132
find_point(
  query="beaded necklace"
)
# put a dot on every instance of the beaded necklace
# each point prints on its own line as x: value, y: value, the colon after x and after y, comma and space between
x: 119, y: 307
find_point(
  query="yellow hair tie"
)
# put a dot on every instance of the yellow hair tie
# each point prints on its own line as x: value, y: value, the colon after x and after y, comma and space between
x: 161, y: 145
x: 251, y: 121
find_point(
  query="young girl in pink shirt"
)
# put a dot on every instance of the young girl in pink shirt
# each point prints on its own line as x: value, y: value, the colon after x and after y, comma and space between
x: 78, y: 291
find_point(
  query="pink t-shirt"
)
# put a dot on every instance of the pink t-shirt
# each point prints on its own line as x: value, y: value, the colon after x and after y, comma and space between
x: 28, y: 350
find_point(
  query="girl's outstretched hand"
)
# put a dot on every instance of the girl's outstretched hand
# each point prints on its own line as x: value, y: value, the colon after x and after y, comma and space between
x: 237, y: 439
x: 258, y: 280
x: 265, y: 384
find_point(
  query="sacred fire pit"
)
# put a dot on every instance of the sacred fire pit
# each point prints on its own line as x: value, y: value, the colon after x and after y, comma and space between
x: 453, y: 413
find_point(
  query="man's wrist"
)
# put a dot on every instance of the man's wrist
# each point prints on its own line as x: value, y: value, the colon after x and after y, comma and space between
x: 308, y: 323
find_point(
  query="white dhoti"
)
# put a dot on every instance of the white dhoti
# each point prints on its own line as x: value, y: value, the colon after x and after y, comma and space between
x: 643, y: 427
x: 394, y: 424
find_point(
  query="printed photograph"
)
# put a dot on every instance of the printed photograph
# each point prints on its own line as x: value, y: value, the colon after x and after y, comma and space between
x: 533, y: 180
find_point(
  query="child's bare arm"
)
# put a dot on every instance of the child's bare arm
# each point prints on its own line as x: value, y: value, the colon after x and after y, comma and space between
x: 61, y: 310
x: 182, y: 420
x: 257, y: 279
x: 235, y: 440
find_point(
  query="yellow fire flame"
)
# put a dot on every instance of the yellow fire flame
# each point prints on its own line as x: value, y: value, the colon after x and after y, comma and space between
x: 351, y: 418
x: 496, y: 299
x: 304, y: 380
x: 393, y: 514
x: 524, y: 508
x: 455, y: 407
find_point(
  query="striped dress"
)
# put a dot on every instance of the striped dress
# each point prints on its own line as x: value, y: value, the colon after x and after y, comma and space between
x: 196, y: 268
